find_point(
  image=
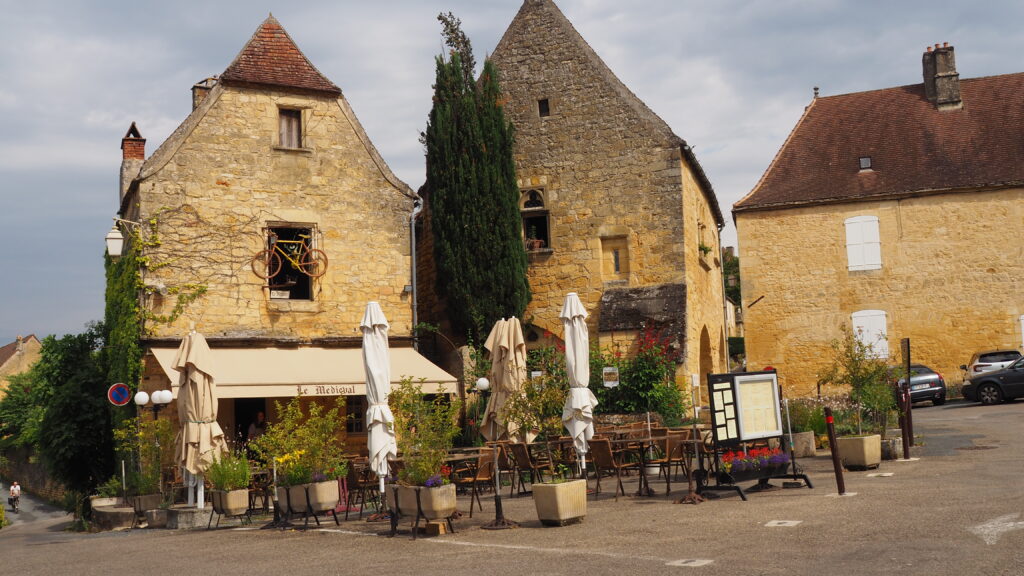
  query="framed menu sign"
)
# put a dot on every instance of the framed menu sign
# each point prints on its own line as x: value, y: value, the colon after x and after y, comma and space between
x: 744, y: 406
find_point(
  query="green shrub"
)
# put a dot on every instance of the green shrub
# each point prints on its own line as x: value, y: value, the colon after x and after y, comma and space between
x: 230, y: 472
x: 426, y: 428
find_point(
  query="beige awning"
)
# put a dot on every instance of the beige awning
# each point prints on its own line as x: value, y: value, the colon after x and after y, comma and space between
x: 283, y: 372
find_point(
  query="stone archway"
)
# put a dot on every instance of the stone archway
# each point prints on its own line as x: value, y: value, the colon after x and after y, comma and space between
x: 707, y: 362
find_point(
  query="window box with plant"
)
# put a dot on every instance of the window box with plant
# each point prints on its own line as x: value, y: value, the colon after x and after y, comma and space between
x: 427, y: 427
x: 562, y: 500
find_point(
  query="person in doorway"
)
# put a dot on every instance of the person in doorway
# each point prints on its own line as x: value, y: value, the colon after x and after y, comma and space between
x: 258, y: 427
x: 15, y: 496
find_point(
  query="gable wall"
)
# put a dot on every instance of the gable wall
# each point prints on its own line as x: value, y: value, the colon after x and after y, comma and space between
x: 226, y: 181
x: 952, y: 280
x: 607, y: 169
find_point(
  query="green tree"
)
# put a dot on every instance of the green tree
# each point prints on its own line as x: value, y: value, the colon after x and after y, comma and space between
x: 855, y: 364
x: 23, y: 407
x: 731, y: 273
x: 472, y: 191
x: 75, y: 439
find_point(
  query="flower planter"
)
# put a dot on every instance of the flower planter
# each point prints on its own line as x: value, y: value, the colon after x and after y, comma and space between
x: 292, y: 499
x: 892, y: 448
x: 804, y: 445
x: 860, y: 452
x: 736, y: 476
x: 230, y: 502
x: 323, y: 495
x: 147, y: 502
x: 98, y: 501
x: 437, y: 502
x: 562, y: 503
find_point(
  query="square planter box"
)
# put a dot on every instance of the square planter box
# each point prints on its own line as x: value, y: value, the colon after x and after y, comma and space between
x: 860, y: 452
x: 230, y: 503
x: 438, y: 502
x: 324, y: 495
x: 147, y: 502
x: 803, y: 445
x: 561, y: 504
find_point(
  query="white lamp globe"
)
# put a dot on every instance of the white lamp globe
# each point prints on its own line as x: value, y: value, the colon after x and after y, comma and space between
x: 141, y: 398
x: 483, y: 384
x: 162, y: 397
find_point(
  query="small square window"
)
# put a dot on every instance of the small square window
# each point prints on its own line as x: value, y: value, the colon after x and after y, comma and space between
x: 865, y: 162
x: 291, y: 128
x: 544, y: 108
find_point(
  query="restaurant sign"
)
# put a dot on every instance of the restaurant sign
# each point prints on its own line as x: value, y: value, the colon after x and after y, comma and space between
x: 329, y: 390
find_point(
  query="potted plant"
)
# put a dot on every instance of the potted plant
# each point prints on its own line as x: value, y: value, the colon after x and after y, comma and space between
x: 150, y: 445
x: 307, y: 450
x: 230, y: 477
x: 856, y: 365
x: 562, y: 500
x: 754, y: 464
x: 427, y: 428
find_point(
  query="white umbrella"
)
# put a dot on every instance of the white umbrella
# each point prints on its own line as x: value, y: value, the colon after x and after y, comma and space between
x: 200, y: 440
x: 380, y: 423
x: 578, y: 413
x: 508, y: 372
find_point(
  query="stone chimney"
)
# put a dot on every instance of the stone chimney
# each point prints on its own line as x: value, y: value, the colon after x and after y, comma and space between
x: 941, y: 81
x: 201, y: 89
x: 20, y: 347
x: 133, y: 154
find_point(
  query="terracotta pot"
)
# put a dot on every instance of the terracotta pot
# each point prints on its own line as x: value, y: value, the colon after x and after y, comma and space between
x: 231, y: 502
x: 561, y: 504
x: 324, y: 495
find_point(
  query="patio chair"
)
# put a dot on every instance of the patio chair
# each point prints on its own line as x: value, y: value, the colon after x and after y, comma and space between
x: 525, y: 464
x: 605, y: 462
x: 480, y: 478
x: 362, y: 484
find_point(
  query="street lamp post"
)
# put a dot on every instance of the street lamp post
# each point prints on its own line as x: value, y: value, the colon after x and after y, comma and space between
x: 158, y: 400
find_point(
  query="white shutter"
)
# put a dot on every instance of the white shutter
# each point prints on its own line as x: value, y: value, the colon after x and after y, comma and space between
x: 863, y: 243
x: 870, y: 328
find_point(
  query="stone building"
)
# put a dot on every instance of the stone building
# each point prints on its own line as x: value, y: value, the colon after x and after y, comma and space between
x: 272, y: 157
x: 18, y: 357
x: 614, y: 204
x: 897, y: 212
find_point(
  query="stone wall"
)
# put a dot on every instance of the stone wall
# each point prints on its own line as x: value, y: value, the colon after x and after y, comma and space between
x: 222, y: 178
x: 952, y: 280
x: 609, y: 168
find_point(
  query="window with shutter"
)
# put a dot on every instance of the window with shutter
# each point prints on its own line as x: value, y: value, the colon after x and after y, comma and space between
x: 291, y: 128
x: 863, y: 243
x: 870, y: 328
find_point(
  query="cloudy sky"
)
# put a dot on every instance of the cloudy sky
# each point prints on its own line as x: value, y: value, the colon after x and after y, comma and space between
x: 730, y: 77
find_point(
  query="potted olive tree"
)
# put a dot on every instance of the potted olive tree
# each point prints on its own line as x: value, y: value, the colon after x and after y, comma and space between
x: 856, y: 365
x: 425, y: 432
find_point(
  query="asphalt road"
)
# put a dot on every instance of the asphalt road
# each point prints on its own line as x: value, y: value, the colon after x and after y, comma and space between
x: 958, y: 510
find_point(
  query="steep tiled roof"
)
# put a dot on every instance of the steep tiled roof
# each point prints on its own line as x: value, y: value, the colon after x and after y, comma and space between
x: 913, y: 147
x: 272, y: 58
x: 7, y: 351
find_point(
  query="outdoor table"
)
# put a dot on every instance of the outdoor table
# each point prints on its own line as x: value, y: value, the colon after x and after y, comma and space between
x: 641, y: 446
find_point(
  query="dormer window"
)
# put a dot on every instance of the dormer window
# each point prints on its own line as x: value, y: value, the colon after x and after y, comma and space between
x: 865, y: 162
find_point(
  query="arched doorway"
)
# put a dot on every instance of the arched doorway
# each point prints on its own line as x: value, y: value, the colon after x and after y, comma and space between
x: 707, y: 362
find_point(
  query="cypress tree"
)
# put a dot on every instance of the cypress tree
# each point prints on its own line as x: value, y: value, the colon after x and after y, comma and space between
x: 471, y: 183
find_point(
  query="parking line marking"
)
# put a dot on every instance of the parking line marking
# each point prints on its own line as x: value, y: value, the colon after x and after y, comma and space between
x: 847, y: 495
x: 880, y: 475
x: 992, y: 530
x: 905, y: 460
x: 559, y: 551
x: 783, y: 523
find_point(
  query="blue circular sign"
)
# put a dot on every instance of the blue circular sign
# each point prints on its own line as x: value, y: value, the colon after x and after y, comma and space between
x: 119, y: 394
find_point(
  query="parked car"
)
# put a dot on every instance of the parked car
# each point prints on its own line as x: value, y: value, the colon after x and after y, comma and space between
x: 997, y: 386
x: 925, y: 383
x: 988, y: 361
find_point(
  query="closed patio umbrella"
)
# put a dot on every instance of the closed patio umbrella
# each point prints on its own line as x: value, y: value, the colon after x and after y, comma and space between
x: 578, y: 412
x: 200, y: 440
x: 508, y: 372
x: 380, y: 423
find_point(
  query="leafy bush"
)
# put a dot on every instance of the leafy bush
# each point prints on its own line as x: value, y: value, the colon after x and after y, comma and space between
x: 539, y: 407
x: 111, y: 488
x: 855, y: 365
x: 151, y: 446
x: 426, y: 429
x: 305, y: 447
x: 230, y: 472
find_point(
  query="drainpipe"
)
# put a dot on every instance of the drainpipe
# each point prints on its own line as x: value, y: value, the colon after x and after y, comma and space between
x: 417, y: 207
x: 725, y: 301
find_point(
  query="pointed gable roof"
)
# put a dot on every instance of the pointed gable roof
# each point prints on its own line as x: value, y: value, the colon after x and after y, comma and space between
x: 567, y: 38
x: 914, y: 148
x: 271, y: 58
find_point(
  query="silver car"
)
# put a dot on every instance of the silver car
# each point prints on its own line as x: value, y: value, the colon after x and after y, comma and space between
x: 988, y: 361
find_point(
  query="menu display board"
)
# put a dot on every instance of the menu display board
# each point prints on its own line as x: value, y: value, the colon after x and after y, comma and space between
x: 744, y: 407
